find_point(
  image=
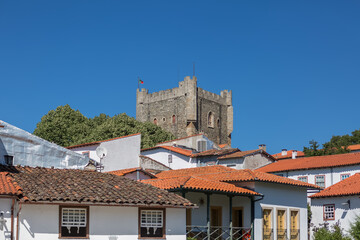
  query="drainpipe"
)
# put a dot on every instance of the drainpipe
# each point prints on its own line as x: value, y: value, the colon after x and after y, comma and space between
x: 253, y: 200
x: 17, y: 222
x: 331, y: 176
x: 208, y: 214
x: 137, y: 174
x: 230, y: 217
x: 12, y: 219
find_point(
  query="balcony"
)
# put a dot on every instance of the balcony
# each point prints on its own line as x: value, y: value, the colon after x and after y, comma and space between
x: 294, y: 234
x: 281, y: 234
x: 217, y: 233
x: 268, y: 234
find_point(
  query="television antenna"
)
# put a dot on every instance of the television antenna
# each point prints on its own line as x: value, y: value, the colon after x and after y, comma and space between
x: 101, y: 152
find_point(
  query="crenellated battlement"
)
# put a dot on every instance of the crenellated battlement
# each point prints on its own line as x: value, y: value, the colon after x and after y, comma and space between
x: 224, y: 98
x: 184, y: 110
x: 184, y: 87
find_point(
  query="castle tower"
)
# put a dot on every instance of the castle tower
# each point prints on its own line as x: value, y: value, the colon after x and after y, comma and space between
x: 187, y: 110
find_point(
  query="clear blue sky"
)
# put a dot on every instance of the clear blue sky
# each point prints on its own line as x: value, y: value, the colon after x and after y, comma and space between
x: 293, y: 66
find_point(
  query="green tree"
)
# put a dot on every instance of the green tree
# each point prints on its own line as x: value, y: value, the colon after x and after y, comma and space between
x: 336, y: 145
x: 67, y: 127
x: 63, y: 126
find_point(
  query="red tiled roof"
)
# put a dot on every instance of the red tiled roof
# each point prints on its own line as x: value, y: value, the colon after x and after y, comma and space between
x: 123, y: 172
x: 194, y: 171
x: 181, y: 151
x: 198, y: 183
x: 348, y: 186
x: 223, y: 145
x: 247, y: 175
x: 245, y: 153
x: 97, y: 142
x: 354, y: 147
x: 181, y: 138
x: 7, y: 186
x: 215, y: 152
x: 312, y: 162
x: 89, y: 187
x: 279, y: 156
x: 226, y: 174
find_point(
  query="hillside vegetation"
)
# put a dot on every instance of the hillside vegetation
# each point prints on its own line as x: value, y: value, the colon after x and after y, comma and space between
x: 66, y: 126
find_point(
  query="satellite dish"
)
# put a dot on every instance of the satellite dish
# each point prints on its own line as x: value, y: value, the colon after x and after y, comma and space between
x: 101, y: 152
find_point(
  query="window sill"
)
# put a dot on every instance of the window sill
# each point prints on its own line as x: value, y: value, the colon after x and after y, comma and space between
x: 74, y: 238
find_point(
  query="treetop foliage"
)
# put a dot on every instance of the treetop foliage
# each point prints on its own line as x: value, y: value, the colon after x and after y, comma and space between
x: 336, y: 145
x: 66, y: 126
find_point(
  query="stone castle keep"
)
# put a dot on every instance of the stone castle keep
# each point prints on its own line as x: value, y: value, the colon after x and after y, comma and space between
x: 187, y: 110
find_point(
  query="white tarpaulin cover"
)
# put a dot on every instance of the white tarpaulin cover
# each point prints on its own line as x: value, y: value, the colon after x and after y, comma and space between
x: 30, y: 150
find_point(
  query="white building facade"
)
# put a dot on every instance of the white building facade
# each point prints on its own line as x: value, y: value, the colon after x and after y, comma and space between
x: 122, y: 152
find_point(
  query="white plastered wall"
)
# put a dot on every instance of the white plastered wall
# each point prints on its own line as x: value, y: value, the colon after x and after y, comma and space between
x: 284, y: 197
x: 41, y: 222
x: 179, y: 161
x: 343, y: 214
x: 5, y: 208
x: 122, y: 153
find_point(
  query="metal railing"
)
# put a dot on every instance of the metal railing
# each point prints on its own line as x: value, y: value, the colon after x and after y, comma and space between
x: 268, y: 234
x: 294, y: 234
x: 281, y: 234
x: 217, y: 233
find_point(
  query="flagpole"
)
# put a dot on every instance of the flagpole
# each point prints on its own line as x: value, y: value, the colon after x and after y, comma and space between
x: 138, y: 83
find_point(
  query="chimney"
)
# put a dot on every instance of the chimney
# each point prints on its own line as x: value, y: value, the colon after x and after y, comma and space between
x: 263, y: 147
x: 284, y: 152
x: 294, y: 154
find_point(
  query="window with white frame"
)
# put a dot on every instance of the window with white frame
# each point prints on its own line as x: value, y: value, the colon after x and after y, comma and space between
x: 320, y: 180
x: 74, y: 222
x: 303, y: 179
x: 345, y: 176
x: 152, y: 223
x: 329, y: 212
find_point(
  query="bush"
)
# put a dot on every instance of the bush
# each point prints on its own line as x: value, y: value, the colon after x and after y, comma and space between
x: 335, y: 233
x: 355, y: 229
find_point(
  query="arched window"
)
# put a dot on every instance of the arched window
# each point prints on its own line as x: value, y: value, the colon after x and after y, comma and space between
x: 211, y: 119
x: 218, y: 123
x: 155, y: 121
x: 173, y: 119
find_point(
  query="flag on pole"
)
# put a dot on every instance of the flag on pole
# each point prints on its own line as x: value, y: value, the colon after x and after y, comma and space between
x: 140, y: 81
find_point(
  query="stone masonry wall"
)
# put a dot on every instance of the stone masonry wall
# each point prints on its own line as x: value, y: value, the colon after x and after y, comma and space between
x: 191, y: 106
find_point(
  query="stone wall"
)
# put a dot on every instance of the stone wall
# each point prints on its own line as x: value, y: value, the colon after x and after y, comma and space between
x: 190, y: 106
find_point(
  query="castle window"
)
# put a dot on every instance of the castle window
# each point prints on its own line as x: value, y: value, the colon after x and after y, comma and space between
x: 173, y: 119
x: 218, y: 123
x: 155, y: 121
x: 211, y: 119
x: 164, y: 119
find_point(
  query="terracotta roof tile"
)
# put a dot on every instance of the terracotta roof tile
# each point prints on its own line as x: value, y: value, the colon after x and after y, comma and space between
x: 312, y: 162
x: 81, y: 186
x: 279, y: 156
x: 194, y: 171
x: 181, y: 151
x: 123, y: 172
x: 240, y: 154
x: 198, y: 183
x: 7, y: 186
x: 354, y: 147
x: 97, y: 142
x: 348, y: 186
x: 215, y: 152
x: 226, y: 174
x: 223, y: 145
